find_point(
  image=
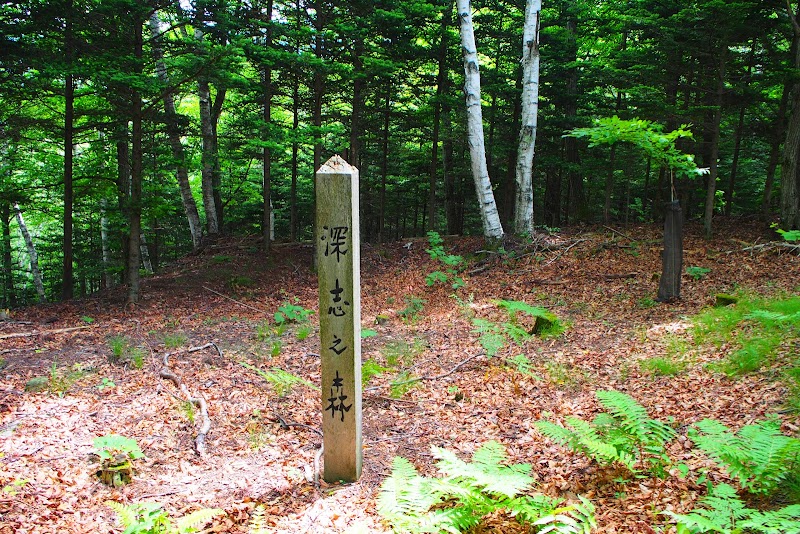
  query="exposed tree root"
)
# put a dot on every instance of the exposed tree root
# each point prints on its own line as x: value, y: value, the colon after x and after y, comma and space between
x: 167, y: 373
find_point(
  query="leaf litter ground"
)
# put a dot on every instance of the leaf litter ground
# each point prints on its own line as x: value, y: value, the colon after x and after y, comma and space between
x: 601, y: 282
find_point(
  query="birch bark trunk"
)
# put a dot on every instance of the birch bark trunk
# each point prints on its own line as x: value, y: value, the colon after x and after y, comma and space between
x: 523, y: 204
x: 34, y: 257
x: 492, y: 228
x: 174, y: 136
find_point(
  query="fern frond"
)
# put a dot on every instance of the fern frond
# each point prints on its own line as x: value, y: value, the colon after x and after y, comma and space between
x: 486, y: 471
x: 126, y: 514
x: 572, y: 519
x: 633, y: 417
x: 406, y: 496
x: 190, y: 522
x: 758, y: 456
x: 258, y: 520
x: 783, y: 521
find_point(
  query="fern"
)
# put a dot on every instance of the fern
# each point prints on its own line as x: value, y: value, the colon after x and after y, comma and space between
x: 624, y: 435
x: 281, y: 380
x: 258, y: 521
x: 149, y: 518
x: 469, y: 491
x: 759, y: 456
x: 724, y: 512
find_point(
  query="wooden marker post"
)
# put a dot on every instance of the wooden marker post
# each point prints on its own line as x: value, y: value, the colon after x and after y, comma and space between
x: 338, y: 258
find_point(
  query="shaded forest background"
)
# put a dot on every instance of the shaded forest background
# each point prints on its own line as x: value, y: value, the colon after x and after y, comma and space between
x: 175, y: 122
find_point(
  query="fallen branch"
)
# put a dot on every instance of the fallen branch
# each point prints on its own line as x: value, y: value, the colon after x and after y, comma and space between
x: 44, y: 332
x: 565, y: 250
x: 285, y: 425
x: 629, y: 238
x: 234, y: 300
x: 423, y: 378
x: 200, y: 402
x: 773, y: 245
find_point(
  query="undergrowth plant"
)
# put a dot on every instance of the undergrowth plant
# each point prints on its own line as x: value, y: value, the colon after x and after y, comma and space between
x: 116, y: 455
x: 624, y: 434
x: 724, y: 512
x: 494, y: 336
x: 150, y: 518
x: 466, y: 493
x: 282, y: 381
x: 758, y: 456
x: 758, y: 327
x: 453, y: 265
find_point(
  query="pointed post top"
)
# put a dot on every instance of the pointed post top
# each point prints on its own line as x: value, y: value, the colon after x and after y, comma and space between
x: 336, y: 165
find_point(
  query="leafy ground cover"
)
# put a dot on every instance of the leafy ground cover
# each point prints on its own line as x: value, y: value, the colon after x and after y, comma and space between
x: 432, y: 382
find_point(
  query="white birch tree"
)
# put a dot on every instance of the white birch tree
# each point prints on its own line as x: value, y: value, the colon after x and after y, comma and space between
x: 174, y: 135
x: 34, y: 257
x: 492, y: 228
x: 523, y: 204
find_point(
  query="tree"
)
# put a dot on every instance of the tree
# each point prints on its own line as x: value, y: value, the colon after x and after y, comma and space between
x: 523, y: 206
x: 660, y: 148
x: 492, y: 228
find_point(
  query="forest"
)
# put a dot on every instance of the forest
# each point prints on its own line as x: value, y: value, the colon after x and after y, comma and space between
x: 573, y: 307
x: 164, y: 124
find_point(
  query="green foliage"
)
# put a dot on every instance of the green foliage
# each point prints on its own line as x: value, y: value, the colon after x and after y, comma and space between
x: 370, y: 368
x: 292, y: 313
x: 758, y: 326
x: 697, y: 272
x: 282, y: 381
x: 522, y: 364
x: 624, y: 434
x: 368, y: 332
x: 123, y: 352
x: 724, y: 512
x: 303, y: 331
x: 758, y: 456
x: 106, y: 383
x: 790, y: 236
x: 467, y: 492
x: 494, y: 336
x: 414, y: 306
x: 149, y: 518
x: 116, y: 455
x: 173, y: 341
x: 402, y: 352
x: 453, y: 264
x: 404, y: 382
x: 645, y: 135
x: 659, y: 366
x: 111, y: 445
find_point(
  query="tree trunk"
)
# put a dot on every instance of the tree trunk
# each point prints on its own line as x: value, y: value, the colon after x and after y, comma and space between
x: 714, y: 149
x: 135, y: 201
x: 69, y: 133
x: 174, y: 136
x: 124, y: 189
x: 790, y: 170
x: 609, y: 189
x: 293, y: 223
x: 387, y: 118
x: 523, y: 205
x: 669, y: 287
x: 207, y: 158
x: 778, y: 132
x: 442, y: 79
x: 104, y: 244
x: 492, y: 229
x: 34, y: 257
x: 577, y: 207
x: 9, y: 296
x: 266, y: 187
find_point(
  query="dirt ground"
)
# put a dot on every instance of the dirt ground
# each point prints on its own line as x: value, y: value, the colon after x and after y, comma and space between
x: 601, y: 282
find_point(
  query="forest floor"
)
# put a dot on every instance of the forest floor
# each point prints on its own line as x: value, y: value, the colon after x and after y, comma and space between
x: 601, y: 282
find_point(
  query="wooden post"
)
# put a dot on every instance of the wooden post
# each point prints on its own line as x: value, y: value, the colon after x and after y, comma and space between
x: 338, y: 256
